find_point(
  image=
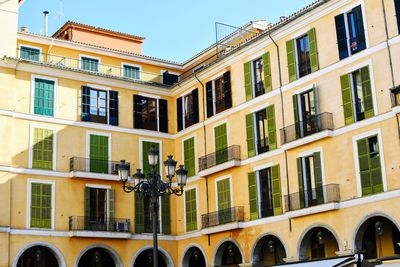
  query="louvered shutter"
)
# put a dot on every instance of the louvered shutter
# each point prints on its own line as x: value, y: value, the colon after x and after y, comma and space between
x: 364, y: 165
x: 188, y: 151
x: 41, y: 205
x: 165, y: 214
x: 318, y: 177
x: 253, y: 196
x: 347, y: 99
x: 179, y: 113
x: 267, y: 72
x: 137, y: 111
x: 191, y: 213
x: 271, y: 127
x: 313, y: 50
x: 221, y: 143
x: 248, y: 81
x: 44, y: 97
x: 341, y: 35
x: 195, y: 93
x: 300, y: 181
x: 276, y: 190
x: 227, y: 90
x: 163, y: 113
x: 98, y: 153
x: 113, y: 104
x: 296, y: 116
x: 85, y: 103
x: 111, y: 209
x: 251, y: 150
x: 291, y: 59
x: 139, y: 214
x: 87, y: 207
x: 209, y: 98
x: 367, y: 93
x: 358, y: 17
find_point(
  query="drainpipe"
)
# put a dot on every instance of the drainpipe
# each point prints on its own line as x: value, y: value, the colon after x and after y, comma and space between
x: 283, y: 124
x: 205, y: 145
x: 390, y: 60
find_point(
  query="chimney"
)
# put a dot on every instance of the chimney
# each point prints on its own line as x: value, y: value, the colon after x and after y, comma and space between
x: 45, y: 13
x: 24, y: 29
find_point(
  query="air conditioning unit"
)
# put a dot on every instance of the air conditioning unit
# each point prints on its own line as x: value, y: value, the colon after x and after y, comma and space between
x: 114, y: 169
x: 122, y: 226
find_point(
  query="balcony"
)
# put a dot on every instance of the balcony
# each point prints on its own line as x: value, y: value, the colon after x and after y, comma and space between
x: 220, y: 160
x: 316, y: 124
x: 222, y: 220
x: 93, y: 168
x: 97, y: 68
x: 102, y: 227
x: 312, y: 201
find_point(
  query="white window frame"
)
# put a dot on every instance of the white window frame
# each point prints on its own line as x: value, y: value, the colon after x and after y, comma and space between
x: 216, y: 189
x: 32, y: 47
x: 123, y: 64
x: 299, y: 35
x: 32, y: 102
x: 195, y: 149
x: 183, y: 107
x: 30, y: 181
x: 196, y: 188
x: 88, y: 134
x: 107, y: 188
x: 31, y: 131
x: 252, y: 70
x: 378, y: 133
x: 103, y: 88
x: 91, y: 57
x: 213, y: 93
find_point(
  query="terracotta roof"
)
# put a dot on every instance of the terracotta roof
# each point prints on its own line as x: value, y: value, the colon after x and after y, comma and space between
x: 69, y: 24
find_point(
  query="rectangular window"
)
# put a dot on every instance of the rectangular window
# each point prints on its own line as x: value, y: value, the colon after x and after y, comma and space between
x: 257, y: 76
x: 221, y: 144
x: 41, y: 205
x: 350, y: 32
x: 29, y: 53
x: 132, y: 72
x: 44, y: 97
x: 169, y: 78
x: 99, y: 209
x: 90, y: 64
x: 191, y: 210
x: 218, y: 93
x: 261, y: 131
x: 98, y: 154
x: 188, y: 109
x: 189, y: 156
x: 42, y: 149
x: 150, y: 113
x: 303, y: 55
x: 99, y: 106
x: 370, y: 165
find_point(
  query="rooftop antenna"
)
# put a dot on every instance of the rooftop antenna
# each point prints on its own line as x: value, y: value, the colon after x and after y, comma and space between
x: 60, y: 12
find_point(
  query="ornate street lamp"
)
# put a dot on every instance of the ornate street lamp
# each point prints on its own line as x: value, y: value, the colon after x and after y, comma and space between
x: 151, y: 184
x: 320, y: 237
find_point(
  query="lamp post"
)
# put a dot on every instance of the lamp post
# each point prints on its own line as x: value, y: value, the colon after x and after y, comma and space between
x: 152, y: 185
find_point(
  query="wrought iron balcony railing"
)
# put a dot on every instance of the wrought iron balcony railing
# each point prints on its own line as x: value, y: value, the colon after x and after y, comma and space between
x: 320, y: 195
x: 315, y: 124
x: 219, y: 157
x: 77, y: 164
x: 104, y: 224
x: 90, y: 67
x: 395, y: 96
x: 235, y: 214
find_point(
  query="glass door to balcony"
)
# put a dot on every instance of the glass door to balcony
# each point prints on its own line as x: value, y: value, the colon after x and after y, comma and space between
x: 98, y: 154
x: 308, y: 113
x: 97, y: 220
x: 312, y: 181
x: 265, y: 183
x: 262, y: 131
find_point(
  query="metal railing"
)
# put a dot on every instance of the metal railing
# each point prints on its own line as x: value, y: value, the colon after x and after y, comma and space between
x: 219, y: 157
x: 316, y: 196
x: 91, y: 67
x: 78, y: 164
x: 315, y: 124
x: 262, y: 146
x: 104, y: 224
x: 235, y: 214
x: 395, y: 96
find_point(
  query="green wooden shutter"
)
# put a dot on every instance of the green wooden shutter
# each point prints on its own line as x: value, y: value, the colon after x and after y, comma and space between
x: 221, y: 143
x: 364, y: 164
x: 296, y: 116
x: 87, y: 207
x: 313, y: 50
x: 42, y: 149
x: 44, y: 97
x: 41, y: 205
x: 253, y: 196
x: 111, y: 209
x: 165, y: 214
x: 300, y: 181
x: 139, y: 214
x: 271, y: 127
x: 347, y: 99
x: 251, y: 150
x: 276, y: 190
x: 291, y: 59
x: 248, y: 81
x: 267, y: 72
x: 318, y: 177
x: 188, y: 151
x: 224, y: 201
x: 367, y: 93
x: 191, y: 210
x: 98, y: 153
x: 145, y: 150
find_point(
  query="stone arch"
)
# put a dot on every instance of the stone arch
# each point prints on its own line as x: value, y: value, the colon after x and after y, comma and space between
x: 56, y: 252
x: 166, y: 256
x: 114, y: 255
x: 256, y: 246
x: 217, y: 257
x: 187, y: 250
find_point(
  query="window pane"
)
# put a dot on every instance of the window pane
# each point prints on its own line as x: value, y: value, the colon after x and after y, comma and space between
x: 303, y: 55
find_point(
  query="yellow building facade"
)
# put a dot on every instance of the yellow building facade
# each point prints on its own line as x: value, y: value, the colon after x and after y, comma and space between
x: 291, y: 138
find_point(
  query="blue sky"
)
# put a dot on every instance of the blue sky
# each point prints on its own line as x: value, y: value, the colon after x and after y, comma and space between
x: 174, y: 29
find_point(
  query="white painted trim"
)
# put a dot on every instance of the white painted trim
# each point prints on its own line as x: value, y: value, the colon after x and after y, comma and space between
x: 378, y: 133
x: 34, y: 172
x: 262, y: 156
x: 100, y: 234
x: 196, y: 162
x: 251, y: 58
x: 131, y: 65
x: 220, y: 167
x: 88, y: 134
x: 308, y: 139
x: 219, y: 74
x: 259, y: 108
x: 98, y: 186
x: 229, y: 176
x: 28, y: 202
x: 300, y: 33
x: 55, y: 93
x: 99, y: 87
x: 160, y: 155
x: 150, y: 96
x: 32, y: 47
x: 263, y: 166
x: 198, y: 221
x: 88, y: 56
x: 55, y: 251
x: 304, y: 89
x: 31, y: 131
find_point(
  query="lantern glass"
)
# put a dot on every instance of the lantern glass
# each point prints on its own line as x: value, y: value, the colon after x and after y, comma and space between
x: 139, y: 176
x: 170, y: 166
x: 123, y: 171
x: 320, y: 237
x: 153, y: 156
x: 181, y: 176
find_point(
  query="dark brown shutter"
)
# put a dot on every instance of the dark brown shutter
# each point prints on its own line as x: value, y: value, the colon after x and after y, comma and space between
x: 209, y: 96
x: 85, y: 103
x: 341, y: 36
x: 163, y: 119
x: 195, y: 93
x: 113, y: 104
x: 137, y: 110
x: 227, y: 89
x: 179, y: 113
